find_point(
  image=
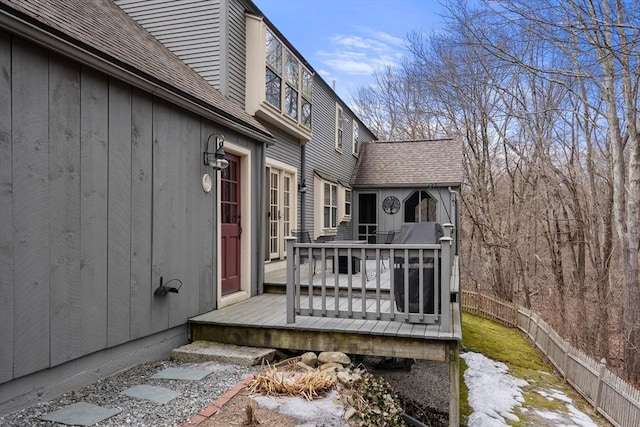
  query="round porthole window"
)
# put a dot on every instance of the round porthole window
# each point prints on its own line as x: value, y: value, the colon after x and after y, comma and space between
x: 391, y: 204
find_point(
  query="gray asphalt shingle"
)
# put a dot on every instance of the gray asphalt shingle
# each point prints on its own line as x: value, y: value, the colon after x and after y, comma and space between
x: 409, y: 163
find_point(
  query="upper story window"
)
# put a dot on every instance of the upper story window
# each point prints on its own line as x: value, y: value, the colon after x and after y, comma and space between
x: 339, y: 127
x: 288, y: 83
x: 356, y: 138
x: 278, y: 85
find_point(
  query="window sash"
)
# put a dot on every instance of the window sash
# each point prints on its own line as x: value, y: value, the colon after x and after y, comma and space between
x: 339, y: 122
x: 291, y: 102
x: 274, y: 52
x: 330, y: 207
x: 347, y: 202
x: 273, y: 84
x: 356, y: 138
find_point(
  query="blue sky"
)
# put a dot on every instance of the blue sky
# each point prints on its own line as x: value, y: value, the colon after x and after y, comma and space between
x: 344, y: 40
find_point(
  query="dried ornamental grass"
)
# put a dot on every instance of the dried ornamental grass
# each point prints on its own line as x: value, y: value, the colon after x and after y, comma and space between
x: 289, y: 383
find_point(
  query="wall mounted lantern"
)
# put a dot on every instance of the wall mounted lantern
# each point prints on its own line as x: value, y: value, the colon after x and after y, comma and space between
x: 164, y: 288
x: 302, y: 187
x: 215, y: 159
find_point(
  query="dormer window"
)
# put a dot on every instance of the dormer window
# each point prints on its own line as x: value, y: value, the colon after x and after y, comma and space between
x: 278, y: 86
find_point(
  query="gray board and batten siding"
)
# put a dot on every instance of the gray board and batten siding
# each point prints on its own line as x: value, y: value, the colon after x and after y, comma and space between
x: 97, y: 181
x: 100, y: 196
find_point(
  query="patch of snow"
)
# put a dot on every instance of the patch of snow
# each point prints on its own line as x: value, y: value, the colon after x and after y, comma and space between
x: 326, y: 411
x: 575, y: 417
x: 580, y: 418
x: 493, y: 393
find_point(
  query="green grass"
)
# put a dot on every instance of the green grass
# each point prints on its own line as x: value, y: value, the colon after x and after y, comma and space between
x: 509, y: 346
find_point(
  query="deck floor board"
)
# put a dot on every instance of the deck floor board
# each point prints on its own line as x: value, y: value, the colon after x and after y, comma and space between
x: 269, y: 311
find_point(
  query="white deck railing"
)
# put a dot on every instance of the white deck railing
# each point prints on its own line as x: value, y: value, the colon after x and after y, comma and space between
x: 371, y: 281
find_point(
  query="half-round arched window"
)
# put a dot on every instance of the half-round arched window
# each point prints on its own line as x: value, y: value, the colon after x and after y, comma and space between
x: 420, y: 207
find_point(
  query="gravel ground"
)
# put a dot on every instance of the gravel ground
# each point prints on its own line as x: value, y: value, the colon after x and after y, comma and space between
x: 426, y: 387
x: 194, y: 396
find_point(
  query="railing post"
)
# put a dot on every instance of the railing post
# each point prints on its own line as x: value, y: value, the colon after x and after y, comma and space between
x: 291, y: 289
x: 445, y: 279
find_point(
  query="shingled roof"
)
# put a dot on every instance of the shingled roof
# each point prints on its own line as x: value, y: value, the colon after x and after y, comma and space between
x: 103, y: 30
x: 409, y: 163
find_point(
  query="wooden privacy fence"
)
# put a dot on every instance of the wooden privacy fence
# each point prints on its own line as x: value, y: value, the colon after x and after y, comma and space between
x: 615, y: 399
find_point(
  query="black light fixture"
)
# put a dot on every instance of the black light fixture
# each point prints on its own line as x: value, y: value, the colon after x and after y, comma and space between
x: 164, y: 289
x: 215, y: 159
x: 302, y: 187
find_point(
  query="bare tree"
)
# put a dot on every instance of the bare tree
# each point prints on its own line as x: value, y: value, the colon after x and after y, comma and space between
x: 544, y: 96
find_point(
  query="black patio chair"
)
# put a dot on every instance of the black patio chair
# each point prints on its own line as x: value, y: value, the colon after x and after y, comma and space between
x: 382, y: 237
x: 303, y: 236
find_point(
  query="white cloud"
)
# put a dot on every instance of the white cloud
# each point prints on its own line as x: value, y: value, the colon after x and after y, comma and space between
x: 360, y: 53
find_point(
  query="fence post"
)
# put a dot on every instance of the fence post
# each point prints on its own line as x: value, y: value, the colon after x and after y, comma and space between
x: 291, y: 289
x: 565, y: 366
x: 602, y: 367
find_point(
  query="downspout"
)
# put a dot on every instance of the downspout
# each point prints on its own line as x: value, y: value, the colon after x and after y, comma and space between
x: 302, y: 187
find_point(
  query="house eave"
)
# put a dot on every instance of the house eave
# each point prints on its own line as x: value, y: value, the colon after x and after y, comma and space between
x: 406, y: 185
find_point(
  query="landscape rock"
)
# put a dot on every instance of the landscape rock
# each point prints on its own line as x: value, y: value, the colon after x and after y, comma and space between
x: 334, y: 367
x: 305, y: 367
x: 334, y: 357
x: 310, y: 359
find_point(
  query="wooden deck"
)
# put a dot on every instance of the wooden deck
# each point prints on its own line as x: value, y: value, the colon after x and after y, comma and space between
x: 261, y: 321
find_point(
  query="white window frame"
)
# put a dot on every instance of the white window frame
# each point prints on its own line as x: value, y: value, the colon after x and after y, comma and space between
x: 332, y: 205
x: 294, y: 78
x: 355, y: 142
x: 339, y: 128
x: 346, y: 202
x: 337, y: 206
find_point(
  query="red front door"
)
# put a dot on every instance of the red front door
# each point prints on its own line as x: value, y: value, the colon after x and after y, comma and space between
x: 230, y: 225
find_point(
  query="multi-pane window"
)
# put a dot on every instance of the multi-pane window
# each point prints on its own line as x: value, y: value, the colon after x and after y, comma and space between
x: 420, y: 207
x: 356, y: 138
x: 330, y: 206
x: 307, y: 85
x: 339, y: 126
x: 347, y: 202
x: 291, y: 89
x: 288, y: 84
x: 273, y: 81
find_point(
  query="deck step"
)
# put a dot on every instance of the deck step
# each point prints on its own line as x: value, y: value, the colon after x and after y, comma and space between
x: 206, y: 351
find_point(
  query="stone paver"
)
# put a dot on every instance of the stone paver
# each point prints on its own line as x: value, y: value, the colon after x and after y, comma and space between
x: 80, y: 414
x: 148, y: 392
